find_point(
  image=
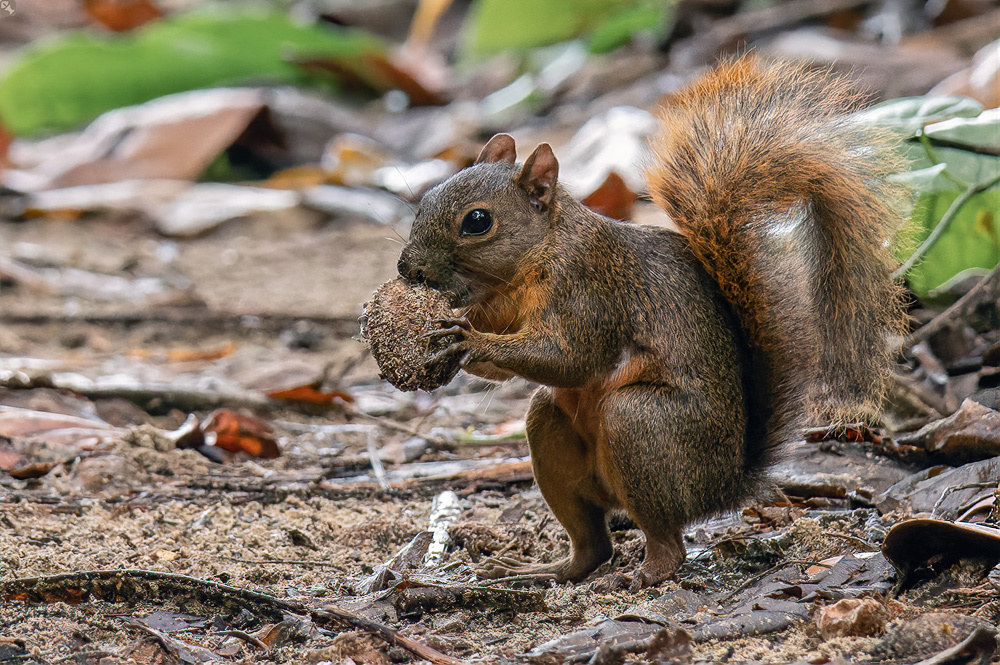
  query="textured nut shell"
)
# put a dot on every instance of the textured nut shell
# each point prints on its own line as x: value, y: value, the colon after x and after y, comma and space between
x: 394, y: 323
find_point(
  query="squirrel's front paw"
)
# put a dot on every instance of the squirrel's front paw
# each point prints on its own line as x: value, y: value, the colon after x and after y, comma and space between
x: 462, y: 340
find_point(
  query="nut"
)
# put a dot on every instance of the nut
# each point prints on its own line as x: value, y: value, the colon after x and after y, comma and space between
x: 394, y: 324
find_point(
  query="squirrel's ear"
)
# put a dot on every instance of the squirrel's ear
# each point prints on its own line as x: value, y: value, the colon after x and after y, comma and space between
x: 538, y: 177
x: 500, y: 148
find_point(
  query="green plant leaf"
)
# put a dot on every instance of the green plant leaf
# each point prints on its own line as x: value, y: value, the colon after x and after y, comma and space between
x: 925, y: 181
x: 909, y: 114
x: 60, y: 84
x: 494, y: 26
x: 972, y: 241
x: 982, y: 131
x: 618, y: 30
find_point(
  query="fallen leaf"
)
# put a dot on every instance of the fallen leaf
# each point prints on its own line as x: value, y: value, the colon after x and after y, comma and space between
x: 121, y: 15
x: 34, y: 470
x: 174, y: 137
x: 185, y: 355
x: 297, y: 177
x: 240, y: 432
x: 164, y: 555
x: 54, y: 427
x: 311, y: 395
x: 612, y: 199
x: 206, y: 205
x: 970, y: 434
x: 852, y: 617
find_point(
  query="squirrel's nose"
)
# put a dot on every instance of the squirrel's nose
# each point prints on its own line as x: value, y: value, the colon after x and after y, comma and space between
x: 410, y: 273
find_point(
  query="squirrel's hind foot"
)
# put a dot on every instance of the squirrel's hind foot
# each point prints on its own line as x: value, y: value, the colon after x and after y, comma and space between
x: 569, y: 569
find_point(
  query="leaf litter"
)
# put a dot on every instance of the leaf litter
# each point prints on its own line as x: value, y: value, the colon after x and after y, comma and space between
x: 337, y: 520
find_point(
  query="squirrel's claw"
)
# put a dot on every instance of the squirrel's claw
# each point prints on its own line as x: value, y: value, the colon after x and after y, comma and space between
x: 458, y: 327
x: 445, y: 332
x: 445, y: 355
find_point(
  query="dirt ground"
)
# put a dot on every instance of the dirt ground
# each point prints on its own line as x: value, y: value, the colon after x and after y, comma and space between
x: 313, y: 526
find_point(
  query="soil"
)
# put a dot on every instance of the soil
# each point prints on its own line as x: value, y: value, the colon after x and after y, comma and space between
x: 311, y: 526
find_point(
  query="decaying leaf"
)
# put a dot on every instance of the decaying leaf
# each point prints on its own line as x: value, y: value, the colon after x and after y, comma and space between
x: 121, y: 15
x: 174, y: 137
x: 311, y: 394
x: 938, y: 544
x: 613, y: 198
x: 852, y: 617
x: 972, y: 433
x: 240, y: 432
x: 55, y: 428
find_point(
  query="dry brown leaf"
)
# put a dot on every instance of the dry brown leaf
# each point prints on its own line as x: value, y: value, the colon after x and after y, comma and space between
x: 241, y: 432
x: 311, y: 394
x: 54, y: 427
x: 173, y: 137
x: 121, y: 15
x: 186, y: 354
x: 612, y: 199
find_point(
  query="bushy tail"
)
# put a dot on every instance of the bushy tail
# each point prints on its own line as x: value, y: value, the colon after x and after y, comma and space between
x: 779, y: 195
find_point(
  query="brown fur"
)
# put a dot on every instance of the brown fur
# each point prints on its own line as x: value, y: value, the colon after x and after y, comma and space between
x: 673, y: 366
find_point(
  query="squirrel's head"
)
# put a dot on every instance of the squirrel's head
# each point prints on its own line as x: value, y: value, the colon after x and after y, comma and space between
x: 474, y: 231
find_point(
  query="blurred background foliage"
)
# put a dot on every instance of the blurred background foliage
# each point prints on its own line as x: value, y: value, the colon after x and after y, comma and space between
x: 506, y: 63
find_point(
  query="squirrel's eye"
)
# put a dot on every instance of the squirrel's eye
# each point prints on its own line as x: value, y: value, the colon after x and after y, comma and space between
x: 477, y: 222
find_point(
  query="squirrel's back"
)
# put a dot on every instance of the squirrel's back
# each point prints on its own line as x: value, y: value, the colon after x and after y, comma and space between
x: 777, y: 190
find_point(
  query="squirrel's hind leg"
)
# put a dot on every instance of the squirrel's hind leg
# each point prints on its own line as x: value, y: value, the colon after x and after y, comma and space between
x: 565, y: 470
x: 668, y: 457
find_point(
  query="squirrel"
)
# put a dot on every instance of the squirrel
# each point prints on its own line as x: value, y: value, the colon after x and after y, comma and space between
x: 675, y: 366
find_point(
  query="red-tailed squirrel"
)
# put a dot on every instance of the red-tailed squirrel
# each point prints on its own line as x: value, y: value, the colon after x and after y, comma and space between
x: 674, y: 365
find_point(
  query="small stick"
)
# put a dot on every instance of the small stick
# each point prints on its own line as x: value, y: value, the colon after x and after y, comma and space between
x: 250, y: 639
x: 988, y: 285
x: 393, y: 637
x: 439, y: 443
x: 86, y: 579
x: 377, y: 468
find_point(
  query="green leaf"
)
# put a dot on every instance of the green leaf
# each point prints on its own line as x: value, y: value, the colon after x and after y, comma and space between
x: 494, y: 26
x: 618, y: 30
x: 927, y: 181
x: 909, y: 114
x: 982, y: 131
x: 972, y: 241
x: 61, y: 84
x: 969, y: 167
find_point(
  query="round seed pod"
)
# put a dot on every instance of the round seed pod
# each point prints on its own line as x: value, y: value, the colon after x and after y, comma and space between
x: 394, y: 323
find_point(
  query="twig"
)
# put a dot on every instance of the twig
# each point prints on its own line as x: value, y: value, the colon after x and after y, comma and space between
x: 182, y: 651
x: 438, y: 442
x: 186, y: 399
x: 377, y: 468
x: 342, y: 326
x: 942, y: 226
x: 958, y: 488
x: 860, y: 542
x: 444, y: 513
x: 107, y: 582
x: 286, y: 562
x: 988, y: 285
x: 247, y: 637
x: 393, y: 637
